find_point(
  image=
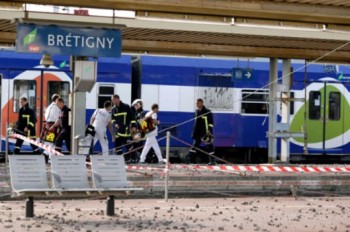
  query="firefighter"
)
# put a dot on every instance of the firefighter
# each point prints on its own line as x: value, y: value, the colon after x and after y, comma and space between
x: 124, y: 124
x: 26, y: 125
x: 137, y: 135
x: 202, y: 132
x: 65, y: 131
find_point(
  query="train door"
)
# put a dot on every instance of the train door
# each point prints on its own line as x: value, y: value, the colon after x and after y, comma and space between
x: 325, y: 122
x: 37, y: 87
x: 19, y: 84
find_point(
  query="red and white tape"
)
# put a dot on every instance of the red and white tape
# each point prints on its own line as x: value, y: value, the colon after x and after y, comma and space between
x: 32, y: 141
x: 239, y: 168
x: 143, y: 168
x: 268, y: 168
x: 258, y: 168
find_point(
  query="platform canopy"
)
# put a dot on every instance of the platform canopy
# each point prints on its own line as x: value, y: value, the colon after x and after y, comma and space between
x: 303, y: 29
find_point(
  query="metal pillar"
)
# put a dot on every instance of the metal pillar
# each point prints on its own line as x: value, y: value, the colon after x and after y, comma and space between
x: 167, y: 165
x: 30, y: 207
x: 110, y: 206
x: 6, y: 148
x: 272, y: 149
x: 84, y: 73
x: 285, y: 108
x: 78, y: 118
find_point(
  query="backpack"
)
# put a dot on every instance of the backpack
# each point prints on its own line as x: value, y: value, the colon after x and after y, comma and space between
x: 147, y: 125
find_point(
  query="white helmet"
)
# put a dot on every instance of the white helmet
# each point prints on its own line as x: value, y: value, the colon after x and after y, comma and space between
x: 137, y: 101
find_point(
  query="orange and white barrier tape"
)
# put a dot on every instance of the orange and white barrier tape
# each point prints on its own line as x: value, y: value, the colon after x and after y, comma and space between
x: 258, y: 168
x: 37, y: 143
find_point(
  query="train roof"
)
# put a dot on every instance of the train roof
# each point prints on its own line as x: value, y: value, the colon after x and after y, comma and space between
x: 255, y: 63
x: 13, y: 60
x: 10, y: 59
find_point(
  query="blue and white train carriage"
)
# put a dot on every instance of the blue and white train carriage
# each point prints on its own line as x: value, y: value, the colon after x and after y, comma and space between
x: 236, y: 90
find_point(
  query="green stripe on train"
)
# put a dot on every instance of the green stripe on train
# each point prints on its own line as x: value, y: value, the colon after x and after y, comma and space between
x: 314, y: 128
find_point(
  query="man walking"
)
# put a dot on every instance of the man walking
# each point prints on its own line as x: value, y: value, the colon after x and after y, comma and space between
x: 64, y: 134
x: 25, y: 125
x: 137, y: 135
x: 52, y: 117
x: 100, y: 119
x: 202, y: 132
x: 151, y: 119
x: 123, y: 120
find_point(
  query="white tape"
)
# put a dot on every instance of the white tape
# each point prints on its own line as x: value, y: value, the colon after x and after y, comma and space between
x: 32, y: 141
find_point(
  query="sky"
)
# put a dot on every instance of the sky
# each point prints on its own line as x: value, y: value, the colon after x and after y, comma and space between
x: 70, y: 10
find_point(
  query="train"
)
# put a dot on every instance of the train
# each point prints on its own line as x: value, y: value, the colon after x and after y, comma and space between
x: 235, y: 89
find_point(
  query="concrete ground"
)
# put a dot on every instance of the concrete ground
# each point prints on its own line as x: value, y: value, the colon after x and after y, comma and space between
x: 193, y: 214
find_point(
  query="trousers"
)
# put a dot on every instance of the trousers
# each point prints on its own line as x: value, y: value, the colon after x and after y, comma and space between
x: 18, y: 146
x: 151, y: 141
x: 63, y: 136
x: 101, y: 136
x: 191, y: 157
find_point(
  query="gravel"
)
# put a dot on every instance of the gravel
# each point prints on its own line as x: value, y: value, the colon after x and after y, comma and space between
x: 199, y: 214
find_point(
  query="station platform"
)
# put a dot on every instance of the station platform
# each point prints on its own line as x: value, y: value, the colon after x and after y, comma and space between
x: 221, y: 180
x: 232, y: 180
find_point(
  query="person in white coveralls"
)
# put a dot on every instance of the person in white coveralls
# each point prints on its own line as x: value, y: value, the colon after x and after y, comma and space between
x: 100, y: 119
x: 151, y: 141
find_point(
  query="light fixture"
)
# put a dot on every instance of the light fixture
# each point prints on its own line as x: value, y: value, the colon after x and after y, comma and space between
x: 46, y: 60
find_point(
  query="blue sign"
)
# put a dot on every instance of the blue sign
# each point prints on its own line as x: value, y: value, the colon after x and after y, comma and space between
x: 328, y: 68
x: 242, y: 73
x: 71, y: 41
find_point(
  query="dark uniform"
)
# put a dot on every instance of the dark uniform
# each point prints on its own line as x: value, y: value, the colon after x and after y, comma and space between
x: 65, y: 130
x: 123, y: 117
x: 137, y: 140
x: 26, y: 119
x: 204, y: 123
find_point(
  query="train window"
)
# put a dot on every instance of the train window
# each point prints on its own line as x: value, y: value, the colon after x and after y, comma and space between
x: 216, y: 90
x: 255, y: 101
x: 334, y: 106
x: 24, y: 88
x: 105, y: 93
x: 314, y: 105
x: 59, y: 87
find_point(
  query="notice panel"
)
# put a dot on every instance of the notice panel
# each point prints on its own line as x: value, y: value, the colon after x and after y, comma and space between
x: 71, y: 41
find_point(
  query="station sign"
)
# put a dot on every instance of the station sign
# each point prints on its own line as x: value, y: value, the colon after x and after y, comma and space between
x: 242, y: 73
x: 72, y: 41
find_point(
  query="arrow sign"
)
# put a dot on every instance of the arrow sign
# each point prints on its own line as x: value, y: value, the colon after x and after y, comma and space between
x: 242, y: 74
